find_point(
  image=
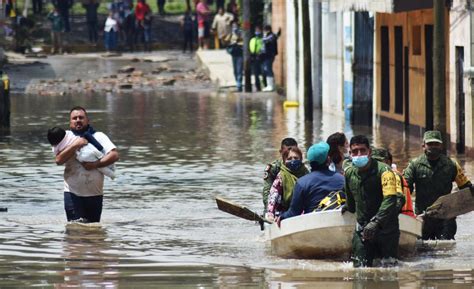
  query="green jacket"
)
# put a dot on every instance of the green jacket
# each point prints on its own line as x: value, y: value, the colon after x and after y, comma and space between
x: 433, y: 180
x: 271, y: 171
x: 372, y: 195
x: 256, y: 45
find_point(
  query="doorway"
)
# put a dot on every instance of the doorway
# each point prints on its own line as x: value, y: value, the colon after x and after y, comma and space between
x: 429, y: 77
x: 406, y: 94
x: 398, y: 69
x: 460, y: 98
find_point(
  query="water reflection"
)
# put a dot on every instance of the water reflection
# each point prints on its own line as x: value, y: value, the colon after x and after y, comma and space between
x: 160, y: 223
x: 88, y: 260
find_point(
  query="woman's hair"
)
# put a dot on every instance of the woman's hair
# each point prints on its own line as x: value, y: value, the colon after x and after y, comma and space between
x: 292, y: 149
x: 335, y: 141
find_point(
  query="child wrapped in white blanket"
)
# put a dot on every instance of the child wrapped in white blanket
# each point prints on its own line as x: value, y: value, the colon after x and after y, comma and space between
x: 61, y: 139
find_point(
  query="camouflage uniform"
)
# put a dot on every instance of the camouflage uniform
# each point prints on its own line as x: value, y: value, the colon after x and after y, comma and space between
x: 271, y: 171
x: 433, y: 179
x: 372, y: 195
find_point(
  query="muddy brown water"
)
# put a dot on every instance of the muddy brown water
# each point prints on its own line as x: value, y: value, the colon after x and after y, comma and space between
x: 161, y: 227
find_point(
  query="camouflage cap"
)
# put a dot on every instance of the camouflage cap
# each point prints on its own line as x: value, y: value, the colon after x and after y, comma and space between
x: 432, y: 136
x: 380, y: 154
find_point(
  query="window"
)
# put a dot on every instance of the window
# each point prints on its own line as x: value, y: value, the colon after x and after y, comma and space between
x: 385, y: 67
x: 416, y: 40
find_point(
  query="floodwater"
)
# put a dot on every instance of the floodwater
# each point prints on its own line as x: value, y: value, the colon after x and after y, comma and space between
x: 161, y: 227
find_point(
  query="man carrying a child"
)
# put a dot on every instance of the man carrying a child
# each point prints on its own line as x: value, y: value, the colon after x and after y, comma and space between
x: 83, y: 183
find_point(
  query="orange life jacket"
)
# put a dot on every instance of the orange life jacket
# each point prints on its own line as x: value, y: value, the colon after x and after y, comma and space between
x: 407, y: 209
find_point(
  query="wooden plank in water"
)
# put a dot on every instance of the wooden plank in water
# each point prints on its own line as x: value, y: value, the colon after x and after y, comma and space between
x: 452, y: 205
x: 238, y: 210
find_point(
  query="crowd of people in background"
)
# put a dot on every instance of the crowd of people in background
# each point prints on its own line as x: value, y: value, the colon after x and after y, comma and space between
x: 128, y: 23
x: 128, y: 27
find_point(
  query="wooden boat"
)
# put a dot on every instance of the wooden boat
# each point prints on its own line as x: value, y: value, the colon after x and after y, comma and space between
x: 328, y: 234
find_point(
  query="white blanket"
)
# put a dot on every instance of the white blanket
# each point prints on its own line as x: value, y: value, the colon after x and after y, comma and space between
x: 90, y: 153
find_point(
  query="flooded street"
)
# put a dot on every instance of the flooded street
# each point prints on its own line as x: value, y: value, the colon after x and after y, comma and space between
x: 160, y: 225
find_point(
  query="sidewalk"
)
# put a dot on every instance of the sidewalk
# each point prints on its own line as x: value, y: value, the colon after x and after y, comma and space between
x: 218, y: 64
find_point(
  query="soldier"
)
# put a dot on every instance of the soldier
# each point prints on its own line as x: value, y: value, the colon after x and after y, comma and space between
x: 405, y: 204
x: 272, y: 170
x: 371, y: 189
x: 432, y: 174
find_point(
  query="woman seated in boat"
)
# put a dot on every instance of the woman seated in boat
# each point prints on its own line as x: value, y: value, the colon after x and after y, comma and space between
x: 338, y: 151
x: 311, y: 189
x: 281, y: 191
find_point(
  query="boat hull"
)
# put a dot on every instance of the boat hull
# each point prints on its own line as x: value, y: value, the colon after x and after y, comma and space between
x: 328, y: 234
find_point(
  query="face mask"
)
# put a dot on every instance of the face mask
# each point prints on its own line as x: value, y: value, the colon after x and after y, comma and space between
x: 347, y: 155
x: 258, y: 34
x: 433, y: 153
x: 293, y: 165
x: 360, y: 161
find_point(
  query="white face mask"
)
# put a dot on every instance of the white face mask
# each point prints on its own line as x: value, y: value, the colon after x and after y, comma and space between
x: 347, y: 155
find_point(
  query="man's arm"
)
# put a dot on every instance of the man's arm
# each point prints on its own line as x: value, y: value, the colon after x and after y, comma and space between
x: 110, y: 158
x: 214, y: 23
x: 409, y: 175
x: 350, y: 203
x: 389, y: 203
x: 70, y: 151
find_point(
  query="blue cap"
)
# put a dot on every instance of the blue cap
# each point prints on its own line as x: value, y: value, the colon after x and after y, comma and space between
x: 318, y: 153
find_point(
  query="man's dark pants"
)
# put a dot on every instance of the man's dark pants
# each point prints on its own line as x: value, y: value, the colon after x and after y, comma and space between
x: 437, y: 229
x: 383, y: 246
x: 88, y: 208
x: 256, y: 66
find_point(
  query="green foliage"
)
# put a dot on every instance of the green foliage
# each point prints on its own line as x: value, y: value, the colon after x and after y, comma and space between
x: 175, y: 7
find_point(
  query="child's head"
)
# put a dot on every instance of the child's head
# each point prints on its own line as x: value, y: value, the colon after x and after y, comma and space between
x: 56, y: 135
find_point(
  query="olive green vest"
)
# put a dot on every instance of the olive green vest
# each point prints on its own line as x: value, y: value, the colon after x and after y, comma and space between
x: 365, y: 190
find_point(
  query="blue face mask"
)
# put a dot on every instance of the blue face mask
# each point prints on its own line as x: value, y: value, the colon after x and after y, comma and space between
x: 258, y: 34
x: 360, y: 161
x: 294, y: 165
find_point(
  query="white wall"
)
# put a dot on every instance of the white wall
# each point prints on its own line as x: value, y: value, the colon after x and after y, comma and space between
x: 362, y: 5
x: 459, y: 35
x: 332, y: 54
x: 291, y: 85
x: 348, y: 54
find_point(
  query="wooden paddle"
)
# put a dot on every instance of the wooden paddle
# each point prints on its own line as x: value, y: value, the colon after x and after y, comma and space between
x: 452, y: 205
x: 240, y: 211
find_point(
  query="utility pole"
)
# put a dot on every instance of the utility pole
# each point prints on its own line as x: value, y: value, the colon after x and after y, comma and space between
x: 246, y: 30
x: 307, y: 75
x: 439, y: 68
